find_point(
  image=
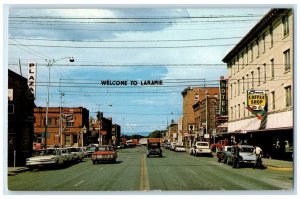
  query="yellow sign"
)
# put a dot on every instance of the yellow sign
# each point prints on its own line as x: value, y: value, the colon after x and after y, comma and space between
x: 256, y: 99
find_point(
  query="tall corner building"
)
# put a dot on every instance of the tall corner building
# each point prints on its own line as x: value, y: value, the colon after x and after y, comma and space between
x: 263, y: 62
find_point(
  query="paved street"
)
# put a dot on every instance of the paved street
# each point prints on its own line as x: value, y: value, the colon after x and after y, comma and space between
x: 135, y: 172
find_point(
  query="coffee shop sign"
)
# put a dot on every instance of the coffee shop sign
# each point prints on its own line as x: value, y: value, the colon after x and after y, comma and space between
x: 131, y: 83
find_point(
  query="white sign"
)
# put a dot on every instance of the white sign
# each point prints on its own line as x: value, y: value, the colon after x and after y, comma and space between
x: 10, y: 94
x: 32, y: 77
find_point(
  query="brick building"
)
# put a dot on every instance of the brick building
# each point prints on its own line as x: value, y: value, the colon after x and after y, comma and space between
x: 192, y: 96
x: 70, y: 124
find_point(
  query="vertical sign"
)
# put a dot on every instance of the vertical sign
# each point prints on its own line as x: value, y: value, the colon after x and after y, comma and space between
x: 32, y: 78
x: 10, y: 94
x: 223, y: 96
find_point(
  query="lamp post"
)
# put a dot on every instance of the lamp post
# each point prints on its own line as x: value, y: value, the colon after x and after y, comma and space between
x: 49, y: 64
x: 83, y: 131
x: 60, y: 119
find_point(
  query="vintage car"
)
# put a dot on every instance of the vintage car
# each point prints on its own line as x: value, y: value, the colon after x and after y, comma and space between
x: 45, y: 157
x: 153, y: 148
x: 180, y: 148
x: 104, y: 153
x: 77, y: 153
x: 241, y: 155
x: 224, y: 153
x: 68, y: 157
x: 200, y: 148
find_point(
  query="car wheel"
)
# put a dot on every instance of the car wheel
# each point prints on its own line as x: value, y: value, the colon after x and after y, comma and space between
x: 219, y: 160
x: 94, y: 162
x: 225, y: 161
x: 30, y: 168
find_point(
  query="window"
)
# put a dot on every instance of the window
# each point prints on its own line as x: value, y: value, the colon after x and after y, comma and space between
x: 272, y: 68
x: 251, y: 52
x: 265, y: 73
x: 258, y: 76
x: 252, y: 79
x: 257, y: 44
x: 271, y: 36
x: 235, y: 89
x: 231, y: 91
x: 196, y: 97
x: 244, y: 109
x: 286, y: 55
x: 288, y: 96
x: 243, y: 60
x: 231, y: 108
x: 246, y: 54
x: 49, y: 122
x: 69, y: 124
x: 243, y: 86
x: 264, y: 42
x: 239, y: 111
x: 238, y: 84
x: 273, y: 100
x: 68, y: 140
x: 238, y: 63
x: 286, y: 29
x: 248, y: 81
x: 234, y: 111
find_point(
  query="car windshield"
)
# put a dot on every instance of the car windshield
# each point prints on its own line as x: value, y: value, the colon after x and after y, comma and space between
x: 246, y: 149
x: 45, y: 152
x: 104, y: 148
x: 72, y: 150
x: 202, y: 144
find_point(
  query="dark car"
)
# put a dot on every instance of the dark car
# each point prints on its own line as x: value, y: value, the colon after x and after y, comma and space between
x: 154, y: 149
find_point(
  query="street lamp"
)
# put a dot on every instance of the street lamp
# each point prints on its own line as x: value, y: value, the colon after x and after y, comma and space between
x: 49, y: 64
x: 60, y: 119
x: 83, y: 131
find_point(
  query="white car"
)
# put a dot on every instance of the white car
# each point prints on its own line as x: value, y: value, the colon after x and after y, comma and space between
x: 201, y: 148
x: 172, y: 146
x: 78, y: 153
x: 68, y: 157
x: 180, y: 148
x: 45, y: 157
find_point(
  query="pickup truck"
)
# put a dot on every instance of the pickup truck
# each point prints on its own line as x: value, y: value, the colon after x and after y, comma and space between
x: 201, y: 148
x: 223, y: 154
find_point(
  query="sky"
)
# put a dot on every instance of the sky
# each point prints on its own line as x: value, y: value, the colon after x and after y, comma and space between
x: 179, y: 46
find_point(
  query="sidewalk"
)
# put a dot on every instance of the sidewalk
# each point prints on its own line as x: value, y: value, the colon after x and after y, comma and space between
x: 11, y: 171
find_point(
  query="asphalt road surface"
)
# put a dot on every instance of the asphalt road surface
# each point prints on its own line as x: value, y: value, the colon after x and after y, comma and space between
x: 175, y: 171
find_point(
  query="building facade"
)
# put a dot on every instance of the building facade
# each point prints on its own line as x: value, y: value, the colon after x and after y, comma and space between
x: 20, y: 120
x: 263, y: 62
x: 191, y: 123
x: 65, y: 126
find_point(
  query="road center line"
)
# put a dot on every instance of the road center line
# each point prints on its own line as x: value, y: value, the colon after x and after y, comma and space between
x: 78, y: 183
x: 144, y: 181
x: 100, y: 169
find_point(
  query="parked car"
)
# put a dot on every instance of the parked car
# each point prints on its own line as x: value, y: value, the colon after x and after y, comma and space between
x: 45, y: 157
x: 224, y: 153
x: 241, y: 155
x: 200, y: 148
x: 180, y: 148
x: 172, y: 146
x: 104, y: 153
x: 68, y: 157
x: 77, y: 153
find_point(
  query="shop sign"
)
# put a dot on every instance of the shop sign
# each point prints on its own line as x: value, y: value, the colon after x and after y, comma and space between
x: 256, y: 99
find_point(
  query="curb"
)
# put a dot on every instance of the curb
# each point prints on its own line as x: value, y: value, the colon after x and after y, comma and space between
x: 13, y: 172
x: 280, y: 168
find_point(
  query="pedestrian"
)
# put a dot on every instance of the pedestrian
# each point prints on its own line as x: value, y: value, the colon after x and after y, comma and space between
x: 258, y: 152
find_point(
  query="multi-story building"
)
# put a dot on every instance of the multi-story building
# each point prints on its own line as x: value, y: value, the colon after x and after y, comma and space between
x: 263, y: 62
x: 20, y: 120
x: 172, y: 132
x: 65, y: 126
x: 192, y: 96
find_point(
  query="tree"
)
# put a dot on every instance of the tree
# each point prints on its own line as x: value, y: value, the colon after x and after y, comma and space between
x: 156, y: 134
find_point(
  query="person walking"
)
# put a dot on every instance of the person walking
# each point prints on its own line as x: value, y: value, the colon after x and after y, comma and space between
x: 258, y: 152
